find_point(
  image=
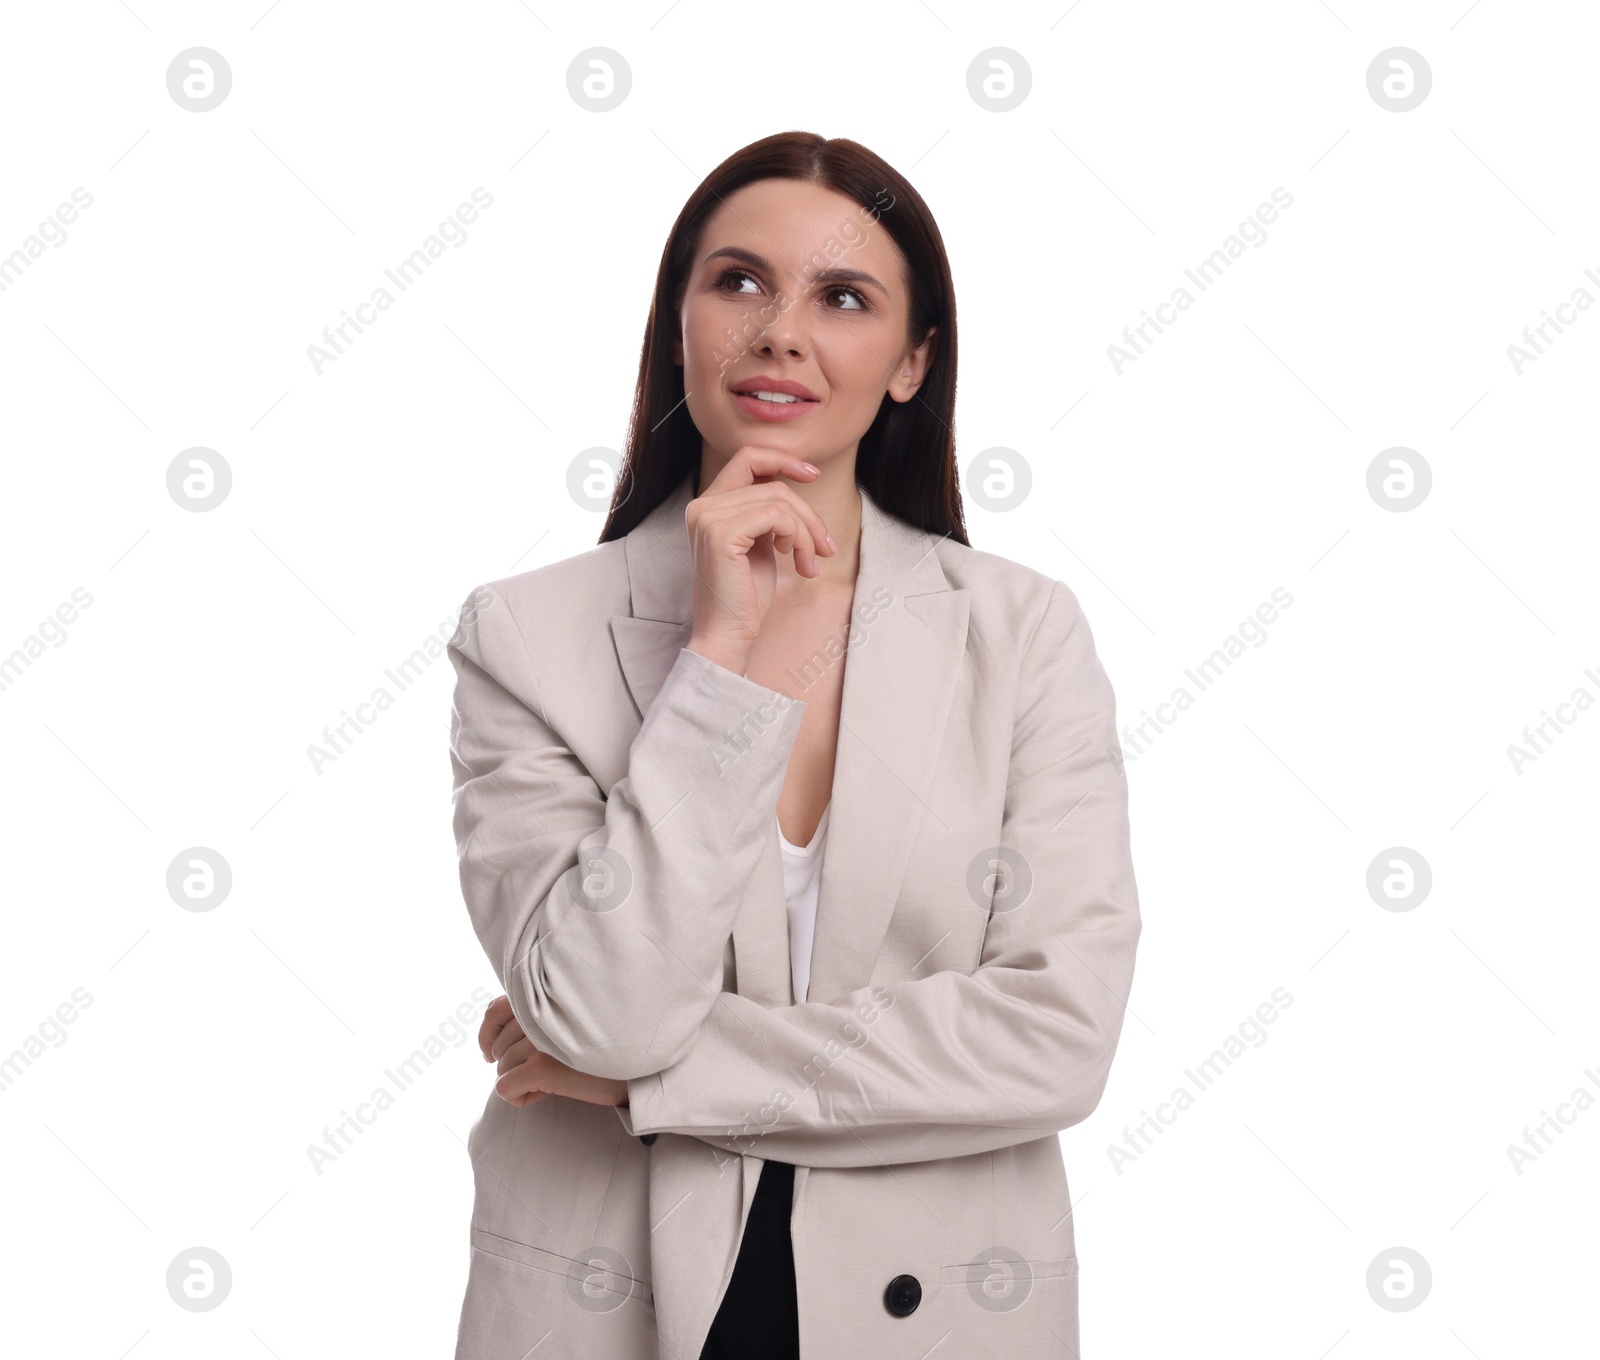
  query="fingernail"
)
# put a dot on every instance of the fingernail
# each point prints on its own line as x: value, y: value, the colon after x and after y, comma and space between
x: 832, y: 544
x: 810, y: 468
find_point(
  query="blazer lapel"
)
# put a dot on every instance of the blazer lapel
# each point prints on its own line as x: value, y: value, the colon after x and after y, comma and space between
x: 900, y: 678
x: 661, y: 596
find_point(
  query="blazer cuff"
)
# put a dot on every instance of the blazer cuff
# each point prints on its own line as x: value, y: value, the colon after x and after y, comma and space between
x: 701, y: 694
x: 645, y: 1111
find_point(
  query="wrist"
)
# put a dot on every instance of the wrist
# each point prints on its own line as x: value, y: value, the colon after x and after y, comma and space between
x: 729, y: 656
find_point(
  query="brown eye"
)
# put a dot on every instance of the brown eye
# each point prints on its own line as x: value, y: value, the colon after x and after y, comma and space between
x: 860, y: 299
x: 722, y: 280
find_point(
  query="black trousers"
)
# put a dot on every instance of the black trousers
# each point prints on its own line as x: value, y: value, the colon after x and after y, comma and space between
x: 759, y: 1318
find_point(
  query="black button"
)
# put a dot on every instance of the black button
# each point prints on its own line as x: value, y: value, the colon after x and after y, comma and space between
x: 647, y: 1138
x: 903, y: 1295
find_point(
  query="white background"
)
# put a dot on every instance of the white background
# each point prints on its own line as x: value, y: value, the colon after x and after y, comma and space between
x: 1230, y: 458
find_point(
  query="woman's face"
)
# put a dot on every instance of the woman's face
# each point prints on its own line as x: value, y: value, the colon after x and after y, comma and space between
x: 797, y: 291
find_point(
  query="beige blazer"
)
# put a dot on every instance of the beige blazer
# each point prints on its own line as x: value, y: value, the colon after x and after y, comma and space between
x: 615, y: 813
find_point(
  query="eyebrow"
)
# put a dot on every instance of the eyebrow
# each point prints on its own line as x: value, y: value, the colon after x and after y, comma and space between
x: 835, y: 274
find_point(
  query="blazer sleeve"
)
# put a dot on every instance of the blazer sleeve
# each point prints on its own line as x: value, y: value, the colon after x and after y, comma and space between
x: 605, y: 917
x: 954, y: 1063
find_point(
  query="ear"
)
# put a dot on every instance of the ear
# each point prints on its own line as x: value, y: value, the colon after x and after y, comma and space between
x: 913, y: 367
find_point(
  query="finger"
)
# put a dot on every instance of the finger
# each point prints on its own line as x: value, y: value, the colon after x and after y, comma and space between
x: 765, y: 464
x: 522, y: 1080
x: 792, y: 535
x: 510, y: 1035
x: 495, y: 1016
x: 520, y: 1052
x: 816, y: 540
x: 743, y: 516
x: 792, y: 539
x: 705, y: 517
x: 754, y: 461
x: 736, y: 529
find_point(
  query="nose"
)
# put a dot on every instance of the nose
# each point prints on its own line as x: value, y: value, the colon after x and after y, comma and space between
x: 785, y: 335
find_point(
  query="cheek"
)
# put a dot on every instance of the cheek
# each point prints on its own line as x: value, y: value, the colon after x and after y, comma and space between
x: 852, y: 360
x: 706, y: 351
x: 707, y: 346
x: 694, y: 333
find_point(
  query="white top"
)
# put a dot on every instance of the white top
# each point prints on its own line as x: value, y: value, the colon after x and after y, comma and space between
x: 802, y: 878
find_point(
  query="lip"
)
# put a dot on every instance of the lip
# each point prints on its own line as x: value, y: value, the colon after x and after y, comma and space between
x: 787, y: 386
x: 769, y: 410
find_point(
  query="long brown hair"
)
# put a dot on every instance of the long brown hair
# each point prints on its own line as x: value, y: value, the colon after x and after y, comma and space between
x: 906, y: 461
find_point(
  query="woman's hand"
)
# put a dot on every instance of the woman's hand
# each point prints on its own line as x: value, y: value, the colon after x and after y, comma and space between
x: 737, y: 526
x: 527, y: 1075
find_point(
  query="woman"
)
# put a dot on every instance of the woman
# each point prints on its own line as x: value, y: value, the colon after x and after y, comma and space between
x: 788, y: 1115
